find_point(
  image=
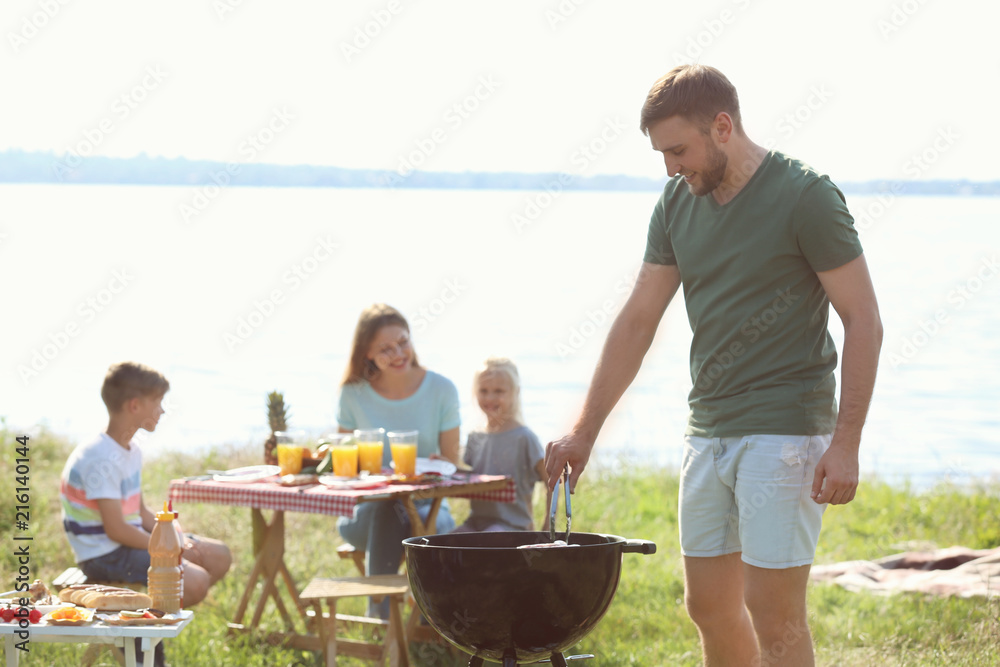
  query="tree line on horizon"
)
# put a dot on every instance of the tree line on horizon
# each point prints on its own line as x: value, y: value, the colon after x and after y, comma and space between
x: 18, y: 166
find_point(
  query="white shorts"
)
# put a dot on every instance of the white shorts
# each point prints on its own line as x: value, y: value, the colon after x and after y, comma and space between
x: 751, y: 494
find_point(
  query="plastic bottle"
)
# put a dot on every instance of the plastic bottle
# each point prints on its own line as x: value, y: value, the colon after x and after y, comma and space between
x: 165, y: 577
x: 180, y: 536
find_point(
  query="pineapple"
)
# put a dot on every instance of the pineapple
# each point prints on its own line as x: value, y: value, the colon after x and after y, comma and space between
x: 277, y: 418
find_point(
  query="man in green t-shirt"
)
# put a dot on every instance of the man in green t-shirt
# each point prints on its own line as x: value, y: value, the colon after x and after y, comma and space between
x: 762, y: 245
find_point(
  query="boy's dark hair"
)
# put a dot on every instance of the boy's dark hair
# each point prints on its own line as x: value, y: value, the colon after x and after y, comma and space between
x: 127, y: 380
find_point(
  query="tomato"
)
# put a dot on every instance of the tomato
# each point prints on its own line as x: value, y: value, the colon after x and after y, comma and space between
x: 148, y: 615
x: 34, y: 616
x: 7, y: 614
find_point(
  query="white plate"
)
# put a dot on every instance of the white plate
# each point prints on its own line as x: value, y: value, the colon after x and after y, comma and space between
x: 49, y: 608
x: 247, y: 474
x: 369, y: 482
x: 440, y: 466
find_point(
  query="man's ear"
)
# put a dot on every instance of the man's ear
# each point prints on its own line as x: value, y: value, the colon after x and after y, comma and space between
x: 722, y: 126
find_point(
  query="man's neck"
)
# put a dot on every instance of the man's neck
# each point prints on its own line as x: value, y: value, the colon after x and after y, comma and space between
x: 744, y: 160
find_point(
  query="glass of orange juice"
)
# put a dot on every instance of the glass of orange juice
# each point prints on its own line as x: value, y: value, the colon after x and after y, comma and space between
x: 404, y: 451
x: 370, y: 445
x: 290, y: 459
x: 344, y: 453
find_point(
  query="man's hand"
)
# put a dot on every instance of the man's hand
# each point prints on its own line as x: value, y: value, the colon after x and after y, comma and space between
x: 573, y: 449
x: 836, y: 477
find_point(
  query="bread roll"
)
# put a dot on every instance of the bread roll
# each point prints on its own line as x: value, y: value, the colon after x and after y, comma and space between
x: 76, y: 596
x: 118, y: 601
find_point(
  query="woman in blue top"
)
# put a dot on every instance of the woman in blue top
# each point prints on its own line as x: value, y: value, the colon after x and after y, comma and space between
x: 385, y: 387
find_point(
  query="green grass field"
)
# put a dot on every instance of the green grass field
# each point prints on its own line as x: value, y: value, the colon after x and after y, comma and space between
x: 647, y: 623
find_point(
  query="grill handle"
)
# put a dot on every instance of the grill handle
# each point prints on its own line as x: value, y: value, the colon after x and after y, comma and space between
x: 639, y: 547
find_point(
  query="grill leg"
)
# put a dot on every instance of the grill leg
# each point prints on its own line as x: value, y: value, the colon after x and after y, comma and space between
x: 558, y: 660
x: 475, y: 661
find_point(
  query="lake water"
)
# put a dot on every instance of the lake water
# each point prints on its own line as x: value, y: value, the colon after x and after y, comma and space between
x: 261, y: 287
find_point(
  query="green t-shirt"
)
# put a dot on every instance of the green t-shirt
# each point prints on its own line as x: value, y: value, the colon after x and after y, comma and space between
x: 762, y: 359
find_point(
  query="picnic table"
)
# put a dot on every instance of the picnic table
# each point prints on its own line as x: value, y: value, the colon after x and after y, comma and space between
x: 269, y: 494
x: 95, y: 632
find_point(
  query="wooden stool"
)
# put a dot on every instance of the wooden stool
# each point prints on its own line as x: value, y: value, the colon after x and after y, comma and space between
x: 346, y: 551
x: 415, y: 631
x: 331, y: 590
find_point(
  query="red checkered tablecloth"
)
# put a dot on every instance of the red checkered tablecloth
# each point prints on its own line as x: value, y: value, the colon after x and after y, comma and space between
x: 320, y: 499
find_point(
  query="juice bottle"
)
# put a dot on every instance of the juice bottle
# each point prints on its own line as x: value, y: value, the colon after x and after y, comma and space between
x: 180, y: 537
x: 165, y: 577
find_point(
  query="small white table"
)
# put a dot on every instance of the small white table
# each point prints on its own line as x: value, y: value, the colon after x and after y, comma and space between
x: 95, y: 633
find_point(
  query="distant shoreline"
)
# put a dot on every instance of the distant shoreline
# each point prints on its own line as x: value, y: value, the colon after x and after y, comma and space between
x: 37, y: 167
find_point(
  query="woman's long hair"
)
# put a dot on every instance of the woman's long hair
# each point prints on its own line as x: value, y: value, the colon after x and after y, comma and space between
x: 373, y: 318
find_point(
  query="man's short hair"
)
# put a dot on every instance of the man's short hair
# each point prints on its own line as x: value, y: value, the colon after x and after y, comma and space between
x: 127, y: 380
x: 695, y: 92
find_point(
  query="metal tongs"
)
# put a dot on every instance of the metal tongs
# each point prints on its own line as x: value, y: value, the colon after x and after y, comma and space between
x: 564, y: 478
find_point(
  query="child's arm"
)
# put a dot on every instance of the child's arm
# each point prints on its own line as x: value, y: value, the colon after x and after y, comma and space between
x: 147, y: 516
x: 116, y: 528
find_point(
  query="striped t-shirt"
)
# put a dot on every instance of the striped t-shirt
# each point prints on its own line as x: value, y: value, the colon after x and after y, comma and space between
x: 99, y: 469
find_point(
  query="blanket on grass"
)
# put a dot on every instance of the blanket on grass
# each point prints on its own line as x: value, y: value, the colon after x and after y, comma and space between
x: 956, y: 571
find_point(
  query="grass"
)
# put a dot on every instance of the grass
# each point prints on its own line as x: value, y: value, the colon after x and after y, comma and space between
x: 647, y: 623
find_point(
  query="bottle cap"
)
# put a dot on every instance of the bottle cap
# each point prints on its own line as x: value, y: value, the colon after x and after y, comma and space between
x: 165, y: 515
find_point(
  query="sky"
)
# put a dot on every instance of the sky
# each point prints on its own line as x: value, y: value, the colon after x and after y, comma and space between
x: 860, y: 89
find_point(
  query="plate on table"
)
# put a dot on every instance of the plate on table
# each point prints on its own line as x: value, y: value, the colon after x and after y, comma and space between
x: 369, y: 482
x: 247, y: 474
x: 436, y: 467
x: 81, y: 616
x: 48, y: 608
x: 116, y: 619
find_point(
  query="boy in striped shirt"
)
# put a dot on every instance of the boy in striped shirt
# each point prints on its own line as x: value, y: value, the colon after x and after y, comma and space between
x: 105, y: 519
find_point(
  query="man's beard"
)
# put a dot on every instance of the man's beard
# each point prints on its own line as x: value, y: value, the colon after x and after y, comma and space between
x: 711, y: 177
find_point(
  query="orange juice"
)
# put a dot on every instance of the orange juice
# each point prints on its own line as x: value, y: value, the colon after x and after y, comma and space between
x: 370, y: 456
x: 165, y: 576
x: 345, y: 460
x: 404, y: 456
x: 290, y: 459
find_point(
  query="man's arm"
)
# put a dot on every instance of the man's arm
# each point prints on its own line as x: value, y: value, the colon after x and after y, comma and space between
x: 116, y: 528
x: 852, y: 295
x: 630, y: 337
